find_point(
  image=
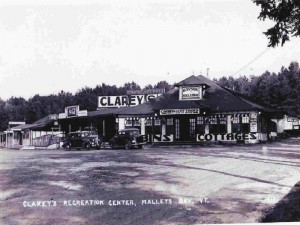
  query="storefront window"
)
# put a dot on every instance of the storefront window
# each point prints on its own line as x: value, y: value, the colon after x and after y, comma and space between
x: 200, y: 120
x: 170, y: 127
x: 192, y: 127
x: 157, y: 122
x: 177, y: 130
x: 223, y: 125
x: 213, y: 128
x: 148, y: 122
x: 200, y: 125
x: 170, y: 121
x: 236, y: 128
x: 245, y: 124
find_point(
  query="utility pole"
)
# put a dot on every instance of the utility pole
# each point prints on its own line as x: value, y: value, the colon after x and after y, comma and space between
x: 207, y: 73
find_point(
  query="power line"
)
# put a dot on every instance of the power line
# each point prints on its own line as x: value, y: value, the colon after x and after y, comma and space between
x: 253, y: 60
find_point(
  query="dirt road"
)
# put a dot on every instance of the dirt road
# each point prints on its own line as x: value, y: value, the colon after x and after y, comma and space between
x: 174, y: 185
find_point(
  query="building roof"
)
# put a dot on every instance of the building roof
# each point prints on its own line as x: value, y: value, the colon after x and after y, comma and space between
x: 142, y: 109
x: 250, y: 101
x: 191, y: 80
x: 105, y: 112
x: 222, y: 100
x: 170, y: 100
x: 41, y: 123
x: 216, y: 99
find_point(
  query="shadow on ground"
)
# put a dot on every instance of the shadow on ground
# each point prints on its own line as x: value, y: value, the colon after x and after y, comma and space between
x: 287, y: 209
x: 108, y: 175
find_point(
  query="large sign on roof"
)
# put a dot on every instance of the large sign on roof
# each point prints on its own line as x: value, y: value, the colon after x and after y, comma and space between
x: 124, y: 100
x: 190, y: 93
x: 148, y: 91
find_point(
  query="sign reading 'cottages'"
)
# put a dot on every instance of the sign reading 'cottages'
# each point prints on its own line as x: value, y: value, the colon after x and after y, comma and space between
x: 164, y: 112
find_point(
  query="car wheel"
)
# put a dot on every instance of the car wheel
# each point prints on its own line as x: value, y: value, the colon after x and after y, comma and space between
x: 67, y: 147
x: 112, y: 145
x: 127, y: 145
x: 98, y: 147
x: 87, y: 146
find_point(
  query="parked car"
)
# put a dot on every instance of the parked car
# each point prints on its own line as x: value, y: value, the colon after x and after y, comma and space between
x: 82, y: 140
x: 128, y: 138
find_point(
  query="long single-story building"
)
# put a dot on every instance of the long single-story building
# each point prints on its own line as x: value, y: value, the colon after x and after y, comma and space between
x: 42, y: 133
x: 197, y: 110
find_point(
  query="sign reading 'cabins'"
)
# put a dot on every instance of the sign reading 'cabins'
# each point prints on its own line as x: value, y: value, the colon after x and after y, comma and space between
x: 123, y: 100
x: 164, y: 112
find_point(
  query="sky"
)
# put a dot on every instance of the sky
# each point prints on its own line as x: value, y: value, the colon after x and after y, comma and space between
x: 49, y: 45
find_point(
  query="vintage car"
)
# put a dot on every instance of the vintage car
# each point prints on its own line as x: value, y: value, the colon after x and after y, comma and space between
x: 82, y: 139
x: 128, y: 138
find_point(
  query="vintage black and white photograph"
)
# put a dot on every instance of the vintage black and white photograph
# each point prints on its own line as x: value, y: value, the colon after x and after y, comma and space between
x: 148, y: 112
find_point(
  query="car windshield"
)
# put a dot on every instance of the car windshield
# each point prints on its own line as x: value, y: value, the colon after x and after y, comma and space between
x: 134, y: 132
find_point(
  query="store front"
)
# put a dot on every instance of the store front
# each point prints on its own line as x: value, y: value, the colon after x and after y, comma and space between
x: 198, y: 110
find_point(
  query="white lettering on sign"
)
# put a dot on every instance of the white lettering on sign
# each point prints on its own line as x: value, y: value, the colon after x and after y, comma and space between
x: 15, y: 123
x: 124, y: 100
x: 190, y: 93
x: 82, y: 113
x: 253, y: 126
x: 53, y: 117
x: 72, y: 110
x: 164, y: 112
x: 226, y: 137
x: 161, y: 138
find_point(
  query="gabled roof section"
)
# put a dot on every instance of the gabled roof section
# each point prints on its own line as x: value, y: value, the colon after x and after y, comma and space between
x: 45, y: 121
x: 222, y: 100
x: 170, y: 100
x: 192, y: 80
x: 250, y: 101
x: 105, y: 112
x: 142, y: 109
x: 215, y: 99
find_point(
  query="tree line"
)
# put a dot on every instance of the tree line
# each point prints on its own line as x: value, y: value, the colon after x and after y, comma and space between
x: 278, y: 90
x: 37, y: 107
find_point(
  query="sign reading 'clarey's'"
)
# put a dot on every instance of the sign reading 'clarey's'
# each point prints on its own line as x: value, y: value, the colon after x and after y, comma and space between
x: 123, y: 100
x: 178, y: 111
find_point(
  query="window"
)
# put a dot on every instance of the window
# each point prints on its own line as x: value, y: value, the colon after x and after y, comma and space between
x: 157, y: 122
x: 213, y: 125
x: 128, y: 122
x: 245, y: 126
x: 192, y: 127
x: 177, y: 130
x: 137, y: 122
x: 200, y: 125
x: 223, y: 125
x: 236, y: 128
x: 200, y: 120
x: 170, y: 121
x: 245, y: 119
x: 148, y: 122
x: 170, y: 127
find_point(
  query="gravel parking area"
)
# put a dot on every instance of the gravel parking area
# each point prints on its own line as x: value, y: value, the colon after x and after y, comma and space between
x: 166, y: 185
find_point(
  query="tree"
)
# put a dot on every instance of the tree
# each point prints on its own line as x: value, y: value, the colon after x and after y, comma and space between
x: 163, y: 85
x: 285, y: 14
